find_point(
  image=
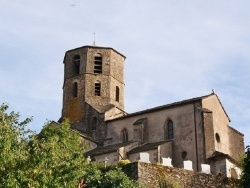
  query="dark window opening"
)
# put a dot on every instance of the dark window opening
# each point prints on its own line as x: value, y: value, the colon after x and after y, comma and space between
x: 97, y: 89
x: 117, y: 94
x: 170, y: 129
x: 98, y: 63
x: 124, y: 135
x: 75, y: 89
x: 217, y: 137
x: 76, y: 64
x: 184, y: 154
x: 94, y: 123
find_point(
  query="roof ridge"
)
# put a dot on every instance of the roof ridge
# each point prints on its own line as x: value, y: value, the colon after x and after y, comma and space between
x: 165, y: 106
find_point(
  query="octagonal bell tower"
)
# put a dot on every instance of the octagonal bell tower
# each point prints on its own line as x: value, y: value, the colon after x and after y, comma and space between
x: 93, y: 84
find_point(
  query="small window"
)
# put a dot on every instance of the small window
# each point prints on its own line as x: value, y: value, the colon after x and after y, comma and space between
x: 183, y: 154
x: 75, y: 89
x: 97, y: 88
x: 94, y: 123
x: 117, y: 93
x: 124, y: 135
x: 98, y: 63
x: 76, y: 64
x: 217, y: 137
x: 170, y: 130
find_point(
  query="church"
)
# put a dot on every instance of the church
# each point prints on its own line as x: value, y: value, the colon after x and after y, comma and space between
x: 196, y: 129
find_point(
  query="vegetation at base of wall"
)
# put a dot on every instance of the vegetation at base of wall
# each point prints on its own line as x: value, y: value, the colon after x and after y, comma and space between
x: 166, y: 182
x: 130, y: 170
x: 123, y: 162
x: 105, y: 168
x: 245, y: 178
x: 53, y: 158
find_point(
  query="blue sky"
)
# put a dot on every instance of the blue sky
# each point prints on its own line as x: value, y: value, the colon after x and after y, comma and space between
x: 175, y: 50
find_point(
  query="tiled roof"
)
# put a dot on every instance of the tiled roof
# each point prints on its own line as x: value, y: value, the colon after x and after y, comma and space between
x: 217, y: 155
x: 106, y: 149
x: 147, y: 146
x: 171, y: 105
x: 165, y: 106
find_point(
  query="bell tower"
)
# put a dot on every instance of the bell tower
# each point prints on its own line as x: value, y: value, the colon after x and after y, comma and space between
x: 93, y: 85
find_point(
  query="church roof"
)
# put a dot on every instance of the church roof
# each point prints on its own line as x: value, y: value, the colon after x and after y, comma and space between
x: 147, y: 146
x: 106, y: 149
x: 217, y: 155
x: 171, y: 105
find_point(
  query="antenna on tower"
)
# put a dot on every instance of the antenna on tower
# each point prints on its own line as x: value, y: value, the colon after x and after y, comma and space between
x: 94, y: 40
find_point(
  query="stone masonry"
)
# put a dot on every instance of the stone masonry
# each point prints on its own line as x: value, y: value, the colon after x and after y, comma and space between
x: 81, y: 104
x: 149, y: 175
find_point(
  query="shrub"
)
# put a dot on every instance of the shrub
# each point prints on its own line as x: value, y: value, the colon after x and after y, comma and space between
x: 124, y: 162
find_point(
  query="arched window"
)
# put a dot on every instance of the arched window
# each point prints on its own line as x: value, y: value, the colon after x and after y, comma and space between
x: 124, y: 133
x: 117, y: 93
x: 94, y: 123
x: 76, y: 64
x: 98, y: 63
x: 170, y: 130
x: 97, y: 88
x: 75, y: 89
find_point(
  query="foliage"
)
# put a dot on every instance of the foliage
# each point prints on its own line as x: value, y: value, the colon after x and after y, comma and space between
x: 117, y: 179
x: 97, y: 176
x: 53, y: 158
x: 13, y: 147
x: 129, y: 169
x: 56, y: 158
x: 123, y: 162
x: 245, y: 179
x: 165, y: 182
x: 104, y: 168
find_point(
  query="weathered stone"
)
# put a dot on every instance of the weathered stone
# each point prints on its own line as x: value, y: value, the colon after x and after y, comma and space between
x: 85, y: 110
x: 150, y: 173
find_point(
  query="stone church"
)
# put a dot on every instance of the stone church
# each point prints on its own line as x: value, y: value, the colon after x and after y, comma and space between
x: 194, y: 130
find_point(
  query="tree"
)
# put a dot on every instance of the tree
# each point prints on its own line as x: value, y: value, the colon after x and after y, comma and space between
x: 13, y: 147
x: 245, y: 179
x: 53, y: 158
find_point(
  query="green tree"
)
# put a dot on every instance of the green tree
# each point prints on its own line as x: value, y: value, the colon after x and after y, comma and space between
x: 245, y: 179
x: 53, y: 158
x: 13, y: 147
x: 117, y: 179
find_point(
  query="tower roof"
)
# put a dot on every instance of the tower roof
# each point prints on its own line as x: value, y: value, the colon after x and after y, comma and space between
x: 98, y: 47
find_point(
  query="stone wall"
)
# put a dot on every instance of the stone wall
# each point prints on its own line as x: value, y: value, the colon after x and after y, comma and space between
x: 185, y: 122
x: 149, y: 174
x: 81, y: 105
x: 236, y: 142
